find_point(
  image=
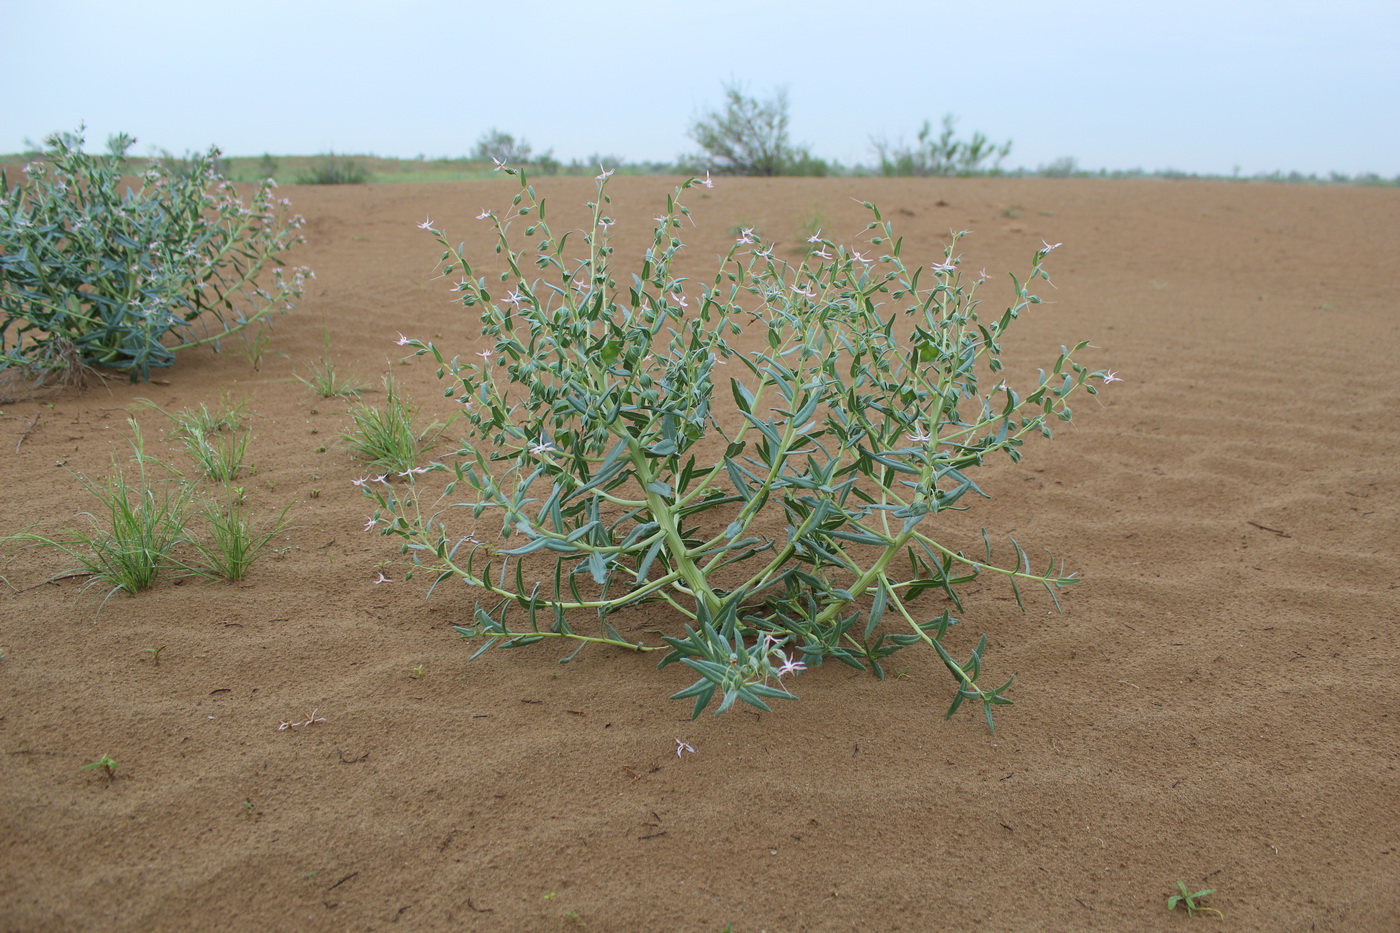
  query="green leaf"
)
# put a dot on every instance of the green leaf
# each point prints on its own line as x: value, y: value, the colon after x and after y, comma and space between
x: 742, y: 396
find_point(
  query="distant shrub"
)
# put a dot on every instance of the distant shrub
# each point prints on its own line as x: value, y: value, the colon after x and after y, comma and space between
x: 497, y: 146
x: 750, y: 137
x: 331, y: 169
x: 1063, y: 167
x: 941, y: 155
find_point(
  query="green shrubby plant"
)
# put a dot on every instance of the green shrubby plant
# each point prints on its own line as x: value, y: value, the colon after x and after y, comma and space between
x: 784, y: 502
x: 94, y: 277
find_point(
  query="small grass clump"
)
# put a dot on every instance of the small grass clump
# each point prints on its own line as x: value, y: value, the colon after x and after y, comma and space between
x: 145, y: 520
x: 235, y: 539
x: 325, y: 378
x: 217, y: 441
x: 389, y: 436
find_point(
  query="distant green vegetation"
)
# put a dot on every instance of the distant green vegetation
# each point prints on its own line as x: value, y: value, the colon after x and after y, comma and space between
x: 296, y: 169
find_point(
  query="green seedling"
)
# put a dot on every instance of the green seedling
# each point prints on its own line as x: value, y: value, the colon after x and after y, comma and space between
x: 417, y: 672
x: 1188, y: 900
x: 155, y: 654
x: 106, y: 764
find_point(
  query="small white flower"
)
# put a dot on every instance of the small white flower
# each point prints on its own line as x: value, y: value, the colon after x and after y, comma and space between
x: 382, y: 578
x: 484, y: 215
x: 822, y: 253
x: 605, y: 223
x: 661, y: 220
x: 1048, y: 247
x: 359, y: 482
x: 499, y: 164
x: 944, y: 267
x: 745, y: 235
x: 807, y: 292
x: 707, y: 183
x: 369, y: 525
x: 413, y: 471
x: 426, y: 224
x: 486, y: 355
x: 515, y: 298
x: 791, y: 666
x: 543, y: 447
x: 816, y: 237
x: 381, y: 478
x: 1111, y: 376
x: 403, y: 341
x: 683, y: 747
x: 859, y: 258
x: 606, y: 175
x: 920, y: 437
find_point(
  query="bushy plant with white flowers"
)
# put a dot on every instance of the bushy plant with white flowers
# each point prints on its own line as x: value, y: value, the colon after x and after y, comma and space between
x: 91, y: 276
x: 783, y: 502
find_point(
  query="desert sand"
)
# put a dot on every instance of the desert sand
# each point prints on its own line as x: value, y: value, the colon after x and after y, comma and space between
x: 1217, y: 702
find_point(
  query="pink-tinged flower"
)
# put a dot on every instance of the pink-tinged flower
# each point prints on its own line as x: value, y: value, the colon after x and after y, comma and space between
x: 920, y: 437
x: 606, y: 175
x: 543, y: 447
x: 499, y: 164
x: 807, y: 292
x: 403, y: 341
x: 515, y: 298
x: 381, y: 478
x: 707, y: 183
x: 791, y: 666
x: 944, y: 267
x: 766, y: 253
x: 815, y: 238
x: 369, y: 525
x: 683, y: 747
x: 484, y: 215
x: 822, y: 253
x: 1111, y: 376
x: 382, y: 578
x: 859, y: 258
x: 426, y: 224
x: 662, y: 220
x: 605, y: 223
x: 359, y: 482
x: 1048, y: 247
x: 413, y: 471
x: 682, y: 301
x: 745, y: 235
x: 486, y: 356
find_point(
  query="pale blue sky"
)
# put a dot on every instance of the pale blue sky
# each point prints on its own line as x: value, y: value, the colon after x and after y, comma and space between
x: 1186, y: 84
